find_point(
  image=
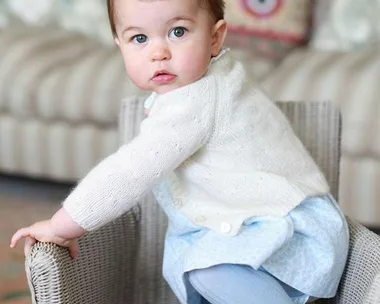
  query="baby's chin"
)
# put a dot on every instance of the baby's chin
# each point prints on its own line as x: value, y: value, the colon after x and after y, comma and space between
x: 167, y: 88
x: 163, y: 89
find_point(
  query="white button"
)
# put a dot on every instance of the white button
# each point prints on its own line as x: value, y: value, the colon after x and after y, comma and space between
x: 225, y: 228
x: 178, y: 203
x: 200, y: 219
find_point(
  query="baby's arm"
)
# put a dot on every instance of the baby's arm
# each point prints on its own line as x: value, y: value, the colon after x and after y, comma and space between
x: 178, y: 125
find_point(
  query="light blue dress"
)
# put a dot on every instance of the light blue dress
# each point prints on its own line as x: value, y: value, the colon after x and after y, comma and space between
x: 307, y: 249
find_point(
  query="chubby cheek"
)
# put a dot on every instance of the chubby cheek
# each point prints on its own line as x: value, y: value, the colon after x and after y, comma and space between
x: 136, y: 74
x: 188, y: 62
x: 196, y: 67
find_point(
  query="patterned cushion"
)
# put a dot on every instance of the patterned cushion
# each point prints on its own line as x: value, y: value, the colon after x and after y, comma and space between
x: 271, y: 27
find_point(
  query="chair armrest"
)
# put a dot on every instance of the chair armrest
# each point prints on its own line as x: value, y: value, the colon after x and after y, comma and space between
x: 360, y: 281
x: 102, y: 273
x: 374, y: 292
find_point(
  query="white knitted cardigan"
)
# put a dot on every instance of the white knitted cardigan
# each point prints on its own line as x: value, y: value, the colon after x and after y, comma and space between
x: 227, y: 152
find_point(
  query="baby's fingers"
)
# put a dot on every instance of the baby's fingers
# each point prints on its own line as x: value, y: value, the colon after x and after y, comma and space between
x: 29, y: 243
x: 74, y: 249
x: 21, y: 233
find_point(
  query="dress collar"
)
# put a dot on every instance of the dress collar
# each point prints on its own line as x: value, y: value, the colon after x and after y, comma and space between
x: 220, y: 54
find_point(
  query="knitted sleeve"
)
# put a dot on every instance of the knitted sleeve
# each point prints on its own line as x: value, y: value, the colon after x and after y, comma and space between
x: 180, y: 122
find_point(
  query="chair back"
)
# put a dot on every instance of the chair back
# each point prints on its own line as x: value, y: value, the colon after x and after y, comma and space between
x: 318, y: 126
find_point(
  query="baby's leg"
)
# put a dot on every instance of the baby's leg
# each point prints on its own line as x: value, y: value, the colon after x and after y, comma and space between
x: 237, y: 284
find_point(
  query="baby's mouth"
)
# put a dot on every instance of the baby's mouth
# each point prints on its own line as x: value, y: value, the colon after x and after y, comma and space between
x: 163, y: 77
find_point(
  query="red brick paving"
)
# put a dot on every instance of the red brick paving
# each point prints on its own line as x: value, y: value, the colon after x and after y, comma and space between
x: 15, y: 213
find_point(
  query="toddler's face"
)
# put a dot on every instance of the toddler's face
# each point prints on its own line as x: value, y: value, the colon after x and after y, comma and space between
x: 166, y: 44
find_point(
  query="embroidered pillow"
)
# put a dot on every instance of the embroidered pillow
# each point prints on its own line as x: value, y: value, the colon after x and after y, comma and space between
x: 271, y: 27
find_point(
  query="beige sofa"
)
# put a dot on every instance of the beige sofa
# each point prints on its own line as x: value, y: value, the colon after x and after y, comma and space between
x: 60, y: 94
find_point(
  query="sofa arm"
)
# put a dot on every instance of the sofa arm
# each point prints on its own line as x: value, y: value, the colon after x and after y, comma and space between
x: 102, y: 273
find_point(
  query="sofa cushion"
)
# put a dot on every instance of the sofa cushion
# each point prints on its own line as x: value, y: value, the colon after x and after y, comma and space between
x: 53, y: 150
x: 350, y: 80
x: 51, y: 74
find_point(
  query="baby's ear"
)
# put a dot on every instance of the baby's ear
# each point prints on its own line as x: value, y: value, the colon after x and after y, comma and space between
x: 117, y: 41
x: 219, y: 32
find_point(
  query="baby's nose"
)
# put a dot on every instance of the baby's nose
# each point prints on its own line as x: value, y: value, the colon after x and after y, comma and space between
x: 160, y: 52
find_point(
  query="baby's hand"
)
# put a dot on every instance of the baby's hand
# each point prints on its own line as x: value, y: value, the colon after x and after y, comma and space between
x: 43, y: 232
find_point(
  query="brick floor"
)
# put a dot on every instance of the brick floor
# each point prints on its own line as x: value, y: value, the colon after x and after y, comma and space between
x: 18, y: 209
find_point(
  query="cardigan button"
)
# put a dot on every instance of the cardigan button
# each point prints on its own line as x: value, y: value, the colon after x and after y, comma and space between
x: 225, y: 228
x: 200, y: 219
x: 178, y: 203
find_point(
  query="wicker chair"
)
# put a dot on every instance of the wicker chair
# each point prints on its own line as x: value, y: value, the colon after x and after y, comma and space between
x: 121, y: 262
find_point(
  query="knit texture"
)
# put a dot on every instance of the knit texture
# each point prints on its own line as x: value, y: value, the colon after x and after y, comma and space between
x: 227, y: 151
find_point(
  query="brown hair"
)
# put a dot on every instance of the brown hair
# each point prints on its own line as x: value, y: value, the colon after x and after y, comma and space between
x: 216, y: 8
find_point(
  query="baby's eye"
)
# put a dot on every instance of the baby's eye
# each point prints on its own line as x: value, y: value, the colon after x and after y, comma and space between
x: 178, y: 32
x: 139, y: 39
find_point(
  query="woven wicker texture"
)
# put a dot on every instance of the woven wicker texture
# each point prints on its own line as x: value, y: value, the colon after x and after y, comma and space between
x: 360, y: 282
x: 373, y: 295
x: 115, y: 267
x: 101, y: 274
x: 318, y: 126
